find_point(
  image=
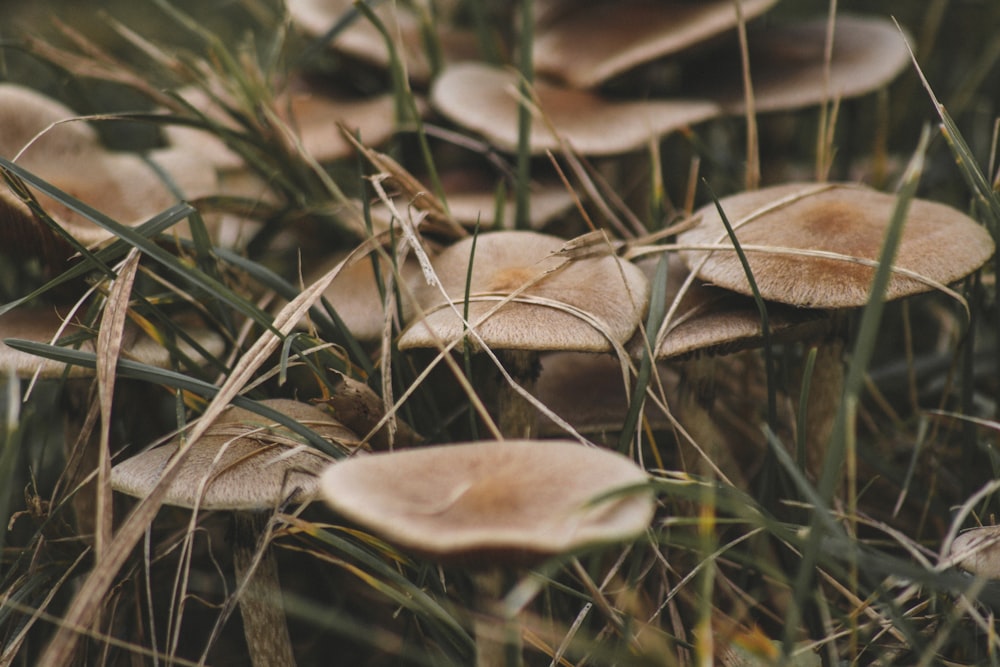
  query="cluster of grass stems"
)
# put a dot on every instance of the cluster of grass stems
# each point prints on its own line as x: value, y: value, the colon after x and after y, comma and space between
x: 853, y: 560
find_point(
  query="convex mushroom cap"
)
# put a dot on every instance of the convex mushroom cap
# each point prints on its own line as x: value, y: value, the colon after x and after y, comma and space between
x: 590, y: 42
x: 243, y: 461
x: 513, y: 501
x: 587, y: 302
x: 485, y: 99
x: 123, y: 186
x: 939, y: 243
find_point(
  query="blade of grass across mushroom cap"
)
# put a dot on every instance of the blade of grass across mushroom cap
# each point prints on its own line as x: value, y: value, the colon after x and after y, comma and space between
x: 593, y: 41
x: 939, y: 244
x: 514, y: 501
x: 243, y: 462
x: 603, y: 287
x: 484, y: 99
x: 788, y: 70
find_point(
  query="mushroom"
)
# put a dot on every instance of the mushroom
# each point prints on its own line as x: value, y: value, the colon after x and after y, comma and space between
x: 528, y: 292
x: 47, y: 325
x: 591, y: 42
x: 362, y: 41
x: 978, y: 551
x: 247, y: 465
x: 788, y: 68
x: 484, y: 99
x: 69, y: 156
x: 491, y: 505
x: 845, y: 221
x: 706, y: 322
x: 816, y: 246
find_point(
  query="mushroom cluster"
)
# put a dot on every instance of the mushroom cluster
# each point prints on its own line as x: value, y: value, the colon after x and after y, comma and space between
x: 533, y: 411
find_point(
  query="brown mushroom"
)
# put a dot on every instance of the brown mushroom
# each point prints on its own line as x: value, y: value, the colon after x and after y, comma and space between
x: 527, y: 293
x: 491, y: 505
x: 247, y: 465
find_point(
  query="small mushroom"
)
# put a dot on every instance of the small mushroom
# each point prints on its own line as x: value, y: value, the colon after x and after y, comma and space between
x: 247, y: 465
x: 706, y: 322
x: 491, y: 505
x: 978, y: 551
x: 554, y: 301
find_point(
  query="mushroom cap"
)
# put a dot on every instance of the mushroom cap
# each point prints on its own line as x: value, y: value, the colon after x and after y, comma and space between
x: 123, y: 186
x: 939, y: 243
x: 243, y: 462
x: 362, y: 40
x: 787, y: 69
x: 594, y: 41
x: 513, y: 501
x: 978, y: 551
x: 610, y: 290
x: 711, y: 320
x: 484, y: 99
x: 41, y: 324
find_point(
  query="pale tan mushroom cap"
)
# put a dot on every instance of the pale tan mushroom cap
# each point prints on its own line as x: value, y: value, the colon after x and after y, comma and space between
x: 978, y: 551
x: 711, y: 320
x: 786, y: 64
x: 243, y: 462
x: 611, y: 291
x: 514, y: 500
x: 121, y: 185
x: 594, y: 41
x: 41, y: 324
x: 484, y: 99
x: 939, y: 243
x: 25, y: 113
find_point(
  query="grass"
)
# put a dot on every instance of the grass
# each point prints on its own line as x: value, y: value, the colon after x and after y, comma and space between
x: 838, y: 569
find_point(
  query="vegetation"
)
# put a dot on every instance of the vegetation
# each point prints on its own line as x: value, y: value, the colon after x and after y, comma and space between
x: 760, y: 552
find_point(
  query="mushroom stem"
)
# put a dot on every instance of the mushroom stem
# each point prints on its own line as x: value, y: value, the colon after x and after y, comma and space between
x: 516, y: 416
x: 498, y: 637
x: 696, y: 396
x: 264, y: 623
x: 826, y: 387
